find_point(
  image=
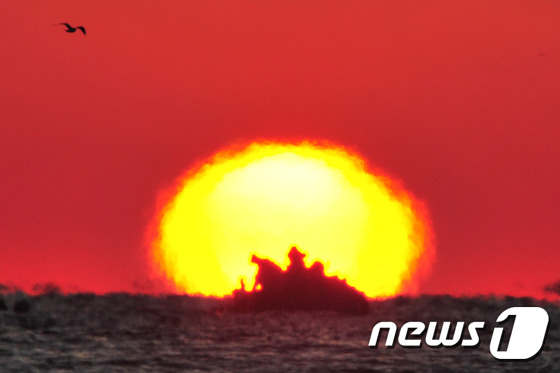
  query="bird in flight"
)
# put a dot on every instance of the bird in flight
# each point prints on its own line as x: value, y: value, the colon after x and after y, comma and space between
x: 72, y: 29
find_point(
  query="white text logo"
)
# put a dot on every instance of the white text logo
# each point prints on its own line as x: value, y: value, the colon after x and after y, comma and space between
x: 526, y: 340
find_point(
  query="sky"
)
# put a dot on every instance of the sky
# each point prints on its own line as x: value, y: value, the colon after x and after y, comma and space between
x: 458, y: 100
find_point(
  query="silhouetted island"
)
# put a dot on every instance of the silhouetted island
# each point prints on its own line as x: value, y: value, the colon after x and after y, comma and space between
x: 297, y: 288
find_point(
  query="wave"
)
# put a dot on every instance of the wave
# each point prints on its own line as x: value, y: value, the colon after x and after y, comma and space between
x: 136, y: 332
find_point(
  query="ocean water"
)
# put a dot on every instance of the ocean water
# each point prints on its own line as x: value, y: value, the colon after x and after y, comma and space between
x: 140, y: 333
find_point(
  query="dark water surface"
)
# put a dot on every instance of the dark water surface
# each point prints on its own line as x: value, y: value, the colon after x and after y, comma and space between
x: 134, y: 333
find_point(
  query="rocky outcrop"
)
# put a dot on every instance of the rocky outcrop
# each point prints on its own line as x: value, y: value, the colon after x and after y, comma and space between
x: 298, y: 288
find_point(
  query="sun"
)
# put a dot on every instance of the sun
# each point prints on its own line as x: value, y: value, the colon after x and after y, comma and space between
x: 267, y: 196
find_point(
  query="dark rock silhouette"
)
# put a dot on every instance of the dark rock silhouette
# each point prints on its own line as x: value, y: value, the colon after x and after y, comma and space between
x: 48, y: 288
x: 297, y: 288
x: 3, y: 306
x: 22, y: 306
x: 553, y: 288
x: 72, y: 29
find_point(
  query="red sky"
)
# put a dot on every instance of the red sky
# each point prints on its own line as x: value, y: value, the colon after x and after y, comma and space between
x: 458, y: 100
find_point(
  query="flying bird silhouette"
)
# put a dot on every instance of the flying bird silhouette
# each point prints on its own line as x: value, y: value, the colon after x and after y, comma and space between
x: 72, y: 29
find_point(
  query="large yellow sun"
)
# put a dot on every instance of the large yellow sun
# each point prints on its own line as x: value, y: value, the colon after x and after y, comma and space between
x: 268, y: 196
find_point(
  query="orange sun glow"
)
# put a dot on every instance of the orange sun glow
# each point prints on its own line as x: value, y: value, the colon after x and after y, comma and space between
x: 268, y: 196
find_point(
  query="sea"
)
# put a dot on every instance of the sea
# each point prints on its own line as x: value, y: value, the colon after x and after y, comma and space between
x: 174, y: 333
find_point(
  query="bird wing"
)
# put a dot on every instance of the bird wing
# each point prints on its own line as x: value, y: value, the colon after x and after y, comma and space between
x: 82, y: 28
x: 65, y: 24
